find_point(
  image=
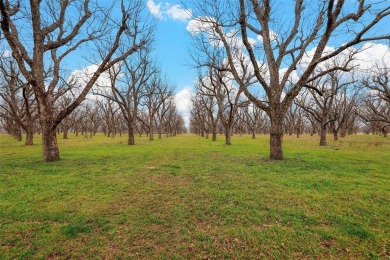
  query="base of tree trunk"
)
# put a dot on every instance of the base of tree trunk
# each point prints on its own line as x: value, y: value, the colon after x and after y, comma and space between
x: 276, y: 149
x: 29, y: 139
x: 50, y: 149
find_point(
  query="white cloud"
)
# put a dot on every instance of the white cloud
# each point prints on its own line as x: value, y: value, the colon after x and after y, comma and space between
x: 6, y: 54
x: 155, y: 9
x: 372, y: 55
x: 184, y: 103
x: 176, y: 12
x: 200, y: 25
x: 168, y: 11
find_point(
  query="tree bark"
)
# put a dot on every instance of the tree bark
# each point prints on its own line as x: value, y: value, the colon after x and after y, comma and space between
x: 50, y: 149
x: 131, y: 139
x: 227, y: 137
x: 151, y: 129
x: 214, y: 136
x: 29, y: 137
x: 276, y: 136
x: 335, y: 135
x: 65, y: 134
x: 323, y: 135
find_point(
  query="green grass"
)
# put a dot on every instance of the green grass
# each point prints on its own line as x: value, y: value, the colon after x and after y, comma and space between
x: 191, y: 198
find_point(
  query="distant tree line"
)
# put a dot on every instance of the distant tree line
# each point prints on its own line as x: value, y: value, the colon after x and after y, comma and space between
x: 136, y: 107
x: 334, y: 104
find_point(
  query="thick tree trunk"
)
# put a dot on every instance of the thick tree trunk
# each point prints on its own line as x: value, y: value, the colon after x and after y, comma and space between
x: 131, y: 139
x: 276, y: 137
x: 29, y: 134
x: 50, y: 149
x: 214, y: 136
x: 29, y: 137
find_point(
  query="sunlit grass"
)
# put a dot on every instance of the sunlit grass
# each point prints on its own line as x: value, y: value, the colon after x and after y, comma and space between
x: 188, y: 197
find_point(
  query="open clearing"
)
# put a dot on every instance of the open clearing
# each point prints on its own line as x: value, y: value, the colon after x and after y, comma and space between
x: 188, y: 197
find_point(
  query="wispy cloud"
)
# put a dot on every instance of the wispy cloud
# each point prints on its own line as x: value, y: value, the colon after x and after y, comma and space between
x: 184, y: 104
x: 168, y: 11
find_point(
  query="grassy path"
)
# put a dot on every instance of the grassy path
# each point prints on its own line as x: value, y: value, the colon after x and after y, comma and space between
x: 187, y: 197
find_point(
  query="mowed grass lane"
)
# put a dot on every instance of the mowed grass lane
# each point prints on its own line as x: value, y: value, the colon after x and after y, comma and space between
x: 187, y: 197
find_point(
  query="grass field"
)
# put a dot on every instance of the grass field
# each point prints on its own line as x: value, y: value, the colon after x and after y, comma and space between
x: 191, y: 198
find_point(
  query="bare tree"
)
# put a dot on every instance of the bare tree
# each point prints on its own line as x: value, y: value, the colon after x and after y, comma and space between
x: 280, y: 61
x: 127, y: 87
x: 157, y: 92
x: 18, y: 104
x: 376, y: 109
x: 59, y: 28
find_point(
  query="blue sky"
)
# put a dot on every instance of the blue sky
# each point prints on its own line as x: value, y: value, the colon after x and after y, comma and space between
x: 173, y: 41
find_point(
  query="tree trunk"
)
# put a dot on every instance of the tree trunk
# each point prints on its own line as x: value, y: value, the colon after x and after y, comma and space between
x: 253, y: 135
x: 214, y: 136
x: 227, y: 136
x: 335, y: 135
x: 51, y: 152
x: 65, y: 135
x: 323, y: 135
x: 385, y: 131
x: 18, y: 134
x: 29, y: 137
x: 131, y: 139
x: 276, y: 137
x: 29, y: 133
x: 151, y: 130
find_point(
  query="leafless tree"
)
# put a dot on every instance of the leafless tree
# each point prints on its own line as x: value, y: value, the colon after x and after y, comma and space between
x: 127, y: 87
x: 18, y: 102
x: 158, y: 91
x: 60, y: 28
x: 280, y: 61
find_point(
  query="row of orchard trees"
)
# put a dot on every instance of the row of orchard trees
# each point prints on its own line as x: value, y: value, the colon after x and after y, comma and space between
x: 39, y: 94
x: 335, y: 104
x: 272, y: 51
x: 140, y: 101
